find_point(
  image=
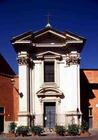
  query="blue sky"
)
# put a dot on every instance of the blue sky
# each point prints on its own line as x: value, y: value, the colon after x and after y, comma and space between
x: 77, y: 16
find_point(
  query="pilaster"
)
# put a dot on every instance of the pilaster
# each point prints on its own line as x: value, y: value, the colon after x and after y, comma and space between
x: 24, y: 101
x: 73, y: 61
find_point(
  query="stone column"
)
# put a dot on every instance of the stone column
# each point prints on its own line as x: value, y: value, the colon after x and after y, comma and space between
x: 24, y: 99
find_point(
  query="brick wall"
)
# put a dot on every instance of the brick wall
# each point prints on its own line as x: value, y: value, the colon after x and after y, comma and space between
x: 90, y: 92
x: 9, y: 97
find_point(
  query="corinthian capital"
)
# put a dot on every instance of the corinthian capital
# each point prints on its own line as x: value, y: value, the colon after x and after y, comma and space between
x: 23, y: 60
x: 73, y: 58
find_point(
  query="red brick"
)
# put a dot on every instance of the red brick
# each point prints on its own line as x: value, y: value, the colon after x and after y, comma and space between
x: 9, y: 97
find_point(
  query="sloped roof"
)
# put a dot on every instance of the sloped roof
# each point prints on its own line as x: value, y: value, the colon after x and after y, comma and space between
x: 26, y: 35
x: 5, y: 67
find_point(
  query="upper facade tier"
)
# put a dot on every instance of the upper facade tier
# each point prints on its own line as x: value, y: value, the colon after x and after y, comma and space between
x: 48, y: 39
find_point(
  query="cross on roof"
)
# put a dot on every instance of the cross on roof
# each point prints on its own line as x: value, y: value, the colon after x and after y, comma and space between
x: 48, y: 20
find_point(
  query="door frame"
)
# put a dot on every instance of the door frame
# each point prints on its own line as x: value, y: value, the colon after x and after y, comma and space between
x: 51, y: 103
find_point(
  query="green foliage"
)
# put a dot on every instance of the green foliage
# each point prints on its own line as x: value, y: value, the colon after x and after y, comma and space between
x: 36, y: 130
x: 12, y: 127
x: 84, y: 126
x: 73, y: 129
x: 60, y: 130
x: 22, y: 130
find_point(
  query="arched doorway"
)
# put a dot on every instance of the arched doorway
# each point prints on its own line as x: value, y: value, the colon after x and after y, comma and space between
x: 49, y: 96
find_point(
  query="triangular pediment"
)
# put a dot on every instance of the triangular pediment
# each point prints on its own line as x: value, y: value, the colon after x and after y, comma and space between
x: 49, y: 36
x: 51, y: 32
x: 49, y: 54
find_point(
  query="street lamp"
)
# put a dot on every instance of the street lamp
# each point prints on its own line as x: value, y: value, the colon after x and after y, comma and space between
x: 19, y: 93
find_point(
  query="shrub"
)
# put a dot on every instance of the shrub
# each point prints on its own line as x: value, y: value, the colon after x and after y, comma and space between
x: 60, y: 130
x: 12, y: 127
x: 22, y: 130
x: 36, y: 130
x: 73, y: 129
x: 84, y: 126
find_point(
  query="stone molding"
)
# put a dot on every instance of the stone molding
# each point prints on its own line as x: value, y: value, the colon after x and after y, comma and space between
x: 53, y: 99
x: 50, y: 92
x: 24, y: 113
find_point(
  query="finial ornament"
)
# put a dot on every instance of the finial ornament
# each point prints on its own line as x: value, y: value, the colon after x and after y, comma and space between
x: 48, y: 25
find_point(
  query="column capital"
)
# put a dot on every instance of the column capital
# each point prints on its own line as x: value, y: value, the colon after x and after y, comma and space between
x: 23, y: 60
x: 73, y: 58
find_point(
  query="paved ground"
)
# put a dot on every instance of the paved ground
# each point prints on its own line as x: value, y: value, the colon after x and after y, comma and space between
x: 51, y: 138
x: 94, y: 136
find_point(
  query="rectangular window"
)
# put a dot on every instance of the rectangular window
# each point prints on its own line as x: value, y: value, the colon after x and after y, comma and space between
x: 48, y: 71
x: 90, y: 117
x: 90, y: 111
x: 1, y: 109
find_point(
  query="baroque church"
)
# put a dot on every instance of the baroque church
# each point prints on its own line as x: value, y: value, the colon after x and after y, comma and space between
x: 49, y: 76
x: 53, y: 90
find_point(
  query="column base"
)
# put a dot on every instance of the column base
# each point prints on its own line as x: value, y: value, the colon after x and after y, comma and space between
x: 23, y: 119
x: 74, y: 117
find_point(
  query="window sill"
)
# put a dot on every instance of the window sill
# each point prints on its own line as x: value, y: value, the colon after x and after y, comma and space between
x: 49, y: 84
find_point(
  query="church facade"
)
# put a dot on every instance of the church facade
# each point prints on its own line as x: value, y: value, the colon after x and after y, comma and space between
x: 49, y: 77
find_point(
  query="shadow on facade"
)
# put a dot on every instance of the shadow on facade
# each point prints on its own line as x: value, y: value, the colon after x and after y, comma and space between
x: 86, y: 94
